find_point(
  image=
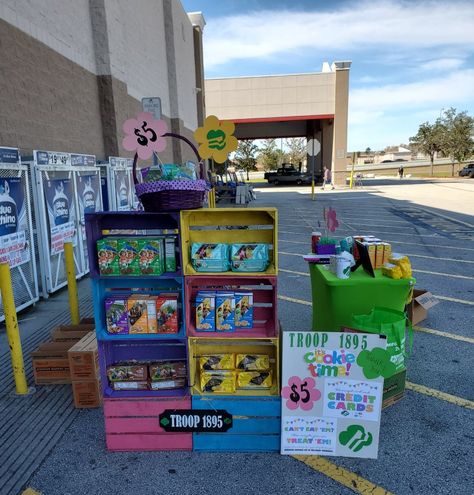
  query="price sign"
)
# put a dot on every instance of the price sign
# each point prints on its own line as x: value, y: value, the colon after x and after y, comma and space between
x: 144, y: 135
x: 332, y: 387
x: 187, y: 420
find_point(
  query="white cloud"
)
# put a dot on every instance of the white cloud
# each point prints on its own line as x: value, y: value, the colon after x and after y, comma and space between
x: 441, y: 64
x: 457, y: 87
x: 269, y: 34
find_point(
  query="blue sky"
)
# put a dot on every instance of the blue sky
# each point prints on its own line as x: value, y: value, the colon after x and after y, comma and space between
x: 410, y: 59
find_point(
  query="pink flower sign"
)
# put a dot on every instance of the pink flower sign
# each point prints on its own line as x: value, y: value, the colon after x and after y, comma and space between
x: 144, y: 135
x: 300, y: 393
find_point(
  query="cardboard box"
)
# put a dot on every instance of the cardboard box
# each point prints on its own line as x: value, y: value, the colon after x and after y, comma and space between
x: 87, y: 321
x: 65, y: 333
x: 379, y: 254
x: 422, y: 301
x: 51, y: 363
x: 394, y: 388
x: 86, y: 394
x: 84, y: 359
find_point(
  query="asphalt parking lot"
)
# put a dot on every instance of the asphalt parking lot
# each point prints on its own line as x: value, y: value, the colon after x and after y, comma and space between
x: 426, y: 439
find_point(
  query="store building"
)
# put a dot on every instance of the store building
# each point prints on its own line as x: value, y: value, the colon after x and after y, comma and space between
x: 295, y: 105
x: 71, y: 72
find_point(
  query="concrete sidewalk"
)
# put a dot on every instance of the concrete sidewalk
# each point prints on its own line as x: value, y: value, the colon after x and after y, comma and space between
x: 31, y: 425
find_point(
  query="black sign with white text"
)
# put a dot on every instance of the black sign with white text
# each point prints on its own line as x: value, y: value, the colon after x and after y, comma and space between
x: 187, y: 420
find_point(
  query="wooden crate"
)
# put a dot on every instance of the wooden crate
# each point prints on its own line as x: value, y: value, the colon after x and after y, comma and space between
x: 133, y: 425
x: 211, y: 225
x: 120, y: 351
x: 105, y: 223
x: 199, y: 346
x: 255, y: 428
x: 106, y: 287
x: 264, y: 291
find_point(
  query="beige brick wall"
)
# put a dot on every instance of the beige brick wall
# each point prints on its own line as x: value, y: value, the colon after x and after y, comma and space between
x: 46, y: 100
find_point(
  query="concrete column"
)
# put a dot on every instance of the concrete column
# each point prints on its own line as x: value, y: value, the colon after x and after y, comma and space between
x: 172, y: 78
x: 339, y: 148
x: 198, y: 22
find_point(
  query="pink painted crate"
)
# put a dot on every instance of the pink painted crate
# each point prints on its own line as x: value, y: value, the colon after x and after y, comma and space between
x: 133, y: 425
x: 264, y: 291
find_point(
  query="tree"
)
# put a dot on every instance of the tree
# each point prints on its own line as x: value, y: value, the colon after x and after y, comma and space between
x: 270, y: 155
x: 245, y: 156
x: 457, y: 142
x: 368, y: 150
x: 428, y: 140
x: 296, y: 150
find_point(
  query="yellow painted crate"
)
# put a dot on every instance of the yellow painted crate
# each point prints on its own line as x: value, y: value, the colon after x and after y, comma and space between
x: 201, y: 346
x: 209, y: 226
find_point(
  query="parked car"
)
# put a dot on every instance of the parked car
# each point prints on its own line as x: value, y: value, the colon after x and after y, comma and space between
x: 288, y: 174
x: 386, y: 161
x: 467, y: 171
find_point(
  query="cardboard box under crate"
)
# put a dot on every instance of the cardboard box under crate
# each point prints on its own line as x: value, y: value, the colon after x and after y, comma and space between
x: 255, y: 424
x: 84, y: 359
x: 51, y: 363
x: 199, y: 346
x: 264, y: 291
x: 230, y: 226
x: 87, y: 394
x: 126, y: 351
x: 394, y: 388
x: 65, y: 333
x: 133, y: 424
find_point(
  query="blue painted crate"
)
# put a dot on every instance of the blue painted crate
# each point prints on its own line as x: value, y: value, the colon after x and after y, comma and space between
x: 256, y: 424
x: 105, y: 287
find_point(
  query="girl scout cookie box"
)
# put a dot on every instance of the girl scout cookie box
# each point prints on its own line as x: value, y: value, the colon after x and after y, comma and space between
x: 210, y: 257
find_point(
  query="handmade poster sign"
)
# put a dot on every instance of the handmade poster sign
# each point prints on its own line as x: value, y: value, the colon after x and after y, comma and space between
x: 332, y: 388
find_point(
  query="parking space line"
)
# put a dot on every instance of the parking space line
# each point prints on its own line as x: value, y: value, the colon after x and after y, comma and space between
x: 390, y: 232
x: 343, y: 476
x: 437, y: 394
x: 453, y: 299
x: 438, y: 333
x: 30, y: 491
x: 454, y: 336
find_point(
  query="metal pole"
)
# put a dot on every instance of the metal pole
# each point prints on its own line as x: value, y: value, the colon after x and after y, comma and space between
x: 312, y: 167
x: 71, y: 282
x: 13, y: 332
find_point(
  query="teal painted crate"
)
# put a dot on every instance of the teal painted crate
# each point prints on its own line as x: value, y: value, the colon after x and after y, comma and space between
x: 256, y: 424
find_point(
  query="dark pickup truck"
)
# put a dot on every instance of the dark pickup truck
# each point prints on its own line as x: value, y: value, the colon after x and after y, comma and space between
x: 287, y: 175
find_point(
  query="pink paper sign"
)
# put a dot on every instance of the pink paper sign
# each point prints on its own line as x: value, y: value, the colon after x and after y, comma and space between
x: 144, y: 135
x: 300, y: 393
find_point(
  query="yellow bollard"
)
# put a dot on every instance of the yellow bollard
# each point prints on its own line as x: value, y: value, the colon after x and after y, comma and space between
x: 71, y: 282
x: 13, y: 332
x: 351, y: 181
x: 312, y: 190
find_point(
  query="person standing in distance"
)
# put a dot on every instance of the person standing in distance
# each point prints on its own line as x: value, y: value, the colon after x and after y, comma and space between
x: 400, y: 171
x: 327, y: 179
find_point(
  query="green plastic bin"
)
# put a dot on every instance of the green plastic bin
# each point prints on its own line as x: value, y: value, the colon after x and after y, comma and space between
x: 336, y: 300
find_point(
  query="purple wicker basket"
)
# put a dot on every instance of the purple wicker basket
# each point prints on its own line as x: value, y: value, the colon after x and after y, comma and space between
x: 172, y: 195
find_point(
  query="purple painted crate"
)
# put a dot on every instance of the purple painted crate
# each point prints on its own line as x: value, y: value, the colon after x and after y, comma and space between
x: 325, y: 248
x: 130, y: 220
x: 111, y: 352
